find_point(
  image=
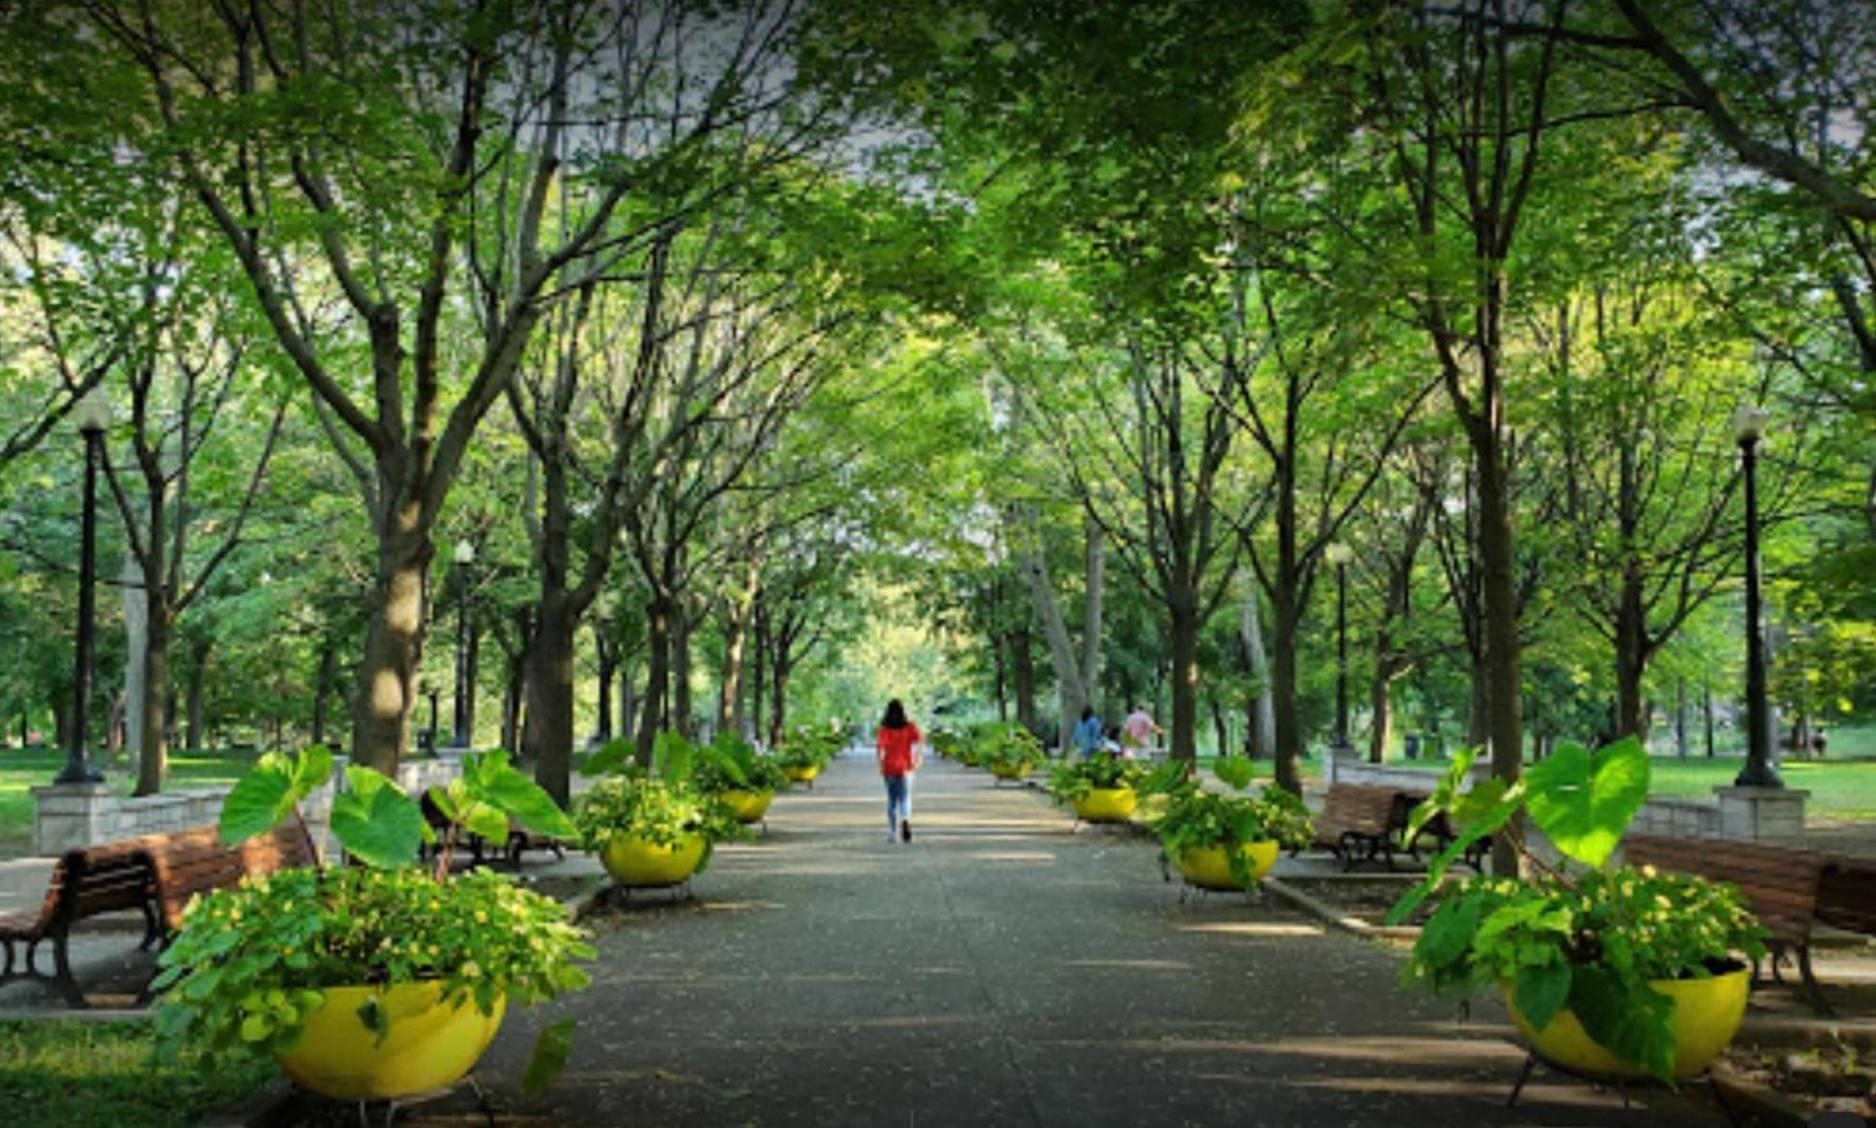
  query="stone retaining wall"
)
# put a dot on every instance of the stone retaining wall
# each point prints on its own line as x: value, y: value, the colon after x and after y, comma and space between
x: 69, y: 816
x: 1735, y: 812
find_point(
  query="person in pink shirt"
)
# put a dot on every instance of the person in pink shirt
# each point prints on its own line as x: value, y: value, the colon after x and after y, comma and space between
x: 898, y: 746
x: 1139, y: 728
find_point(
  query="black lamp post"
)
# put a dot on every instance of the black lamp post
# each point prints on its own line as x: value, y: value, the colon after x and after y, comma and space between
x: 1748, y: 428
x: 92, y: 414
x: 465, y: 556
x: 1339, y: 555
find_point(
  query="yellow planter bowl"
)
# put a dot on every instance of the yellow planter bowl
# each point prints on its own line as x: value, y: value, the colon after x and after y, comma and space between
x: 429, y: 1045
x: 802, y: 774
x: 1009, y: 771
x: 1106, y: 804
x: 634, y: 861
x: 750, y: 806
x: 1707, y: 1013
x: 1208, y: 867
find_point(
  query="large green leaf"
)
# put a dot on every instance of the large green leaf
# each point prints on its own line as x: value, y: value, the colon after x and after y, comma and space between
x: 1583, y: 800
x: 375, y: 821
x: 673, y: 758
x: 1631, y: 1021
x: 1233, y: 771
x: 527, y: 801
x: 548, y: 1059
x: 258, y: 801
x: 1541, y: 991
x: 1448, y: 933
x: 268, y: 793
x: 612, y: 756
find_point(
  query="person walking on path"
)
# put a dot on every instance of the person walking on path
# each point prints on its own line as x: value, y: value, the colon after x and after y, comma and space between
x: 1140, y: 729
x: 1087, y: 738
x: 897, y: 746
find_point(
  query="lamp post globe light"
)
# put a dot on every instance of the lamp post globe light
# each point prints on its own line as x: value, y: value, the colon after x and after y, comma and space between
x: 1749, y: 424
x: 91, y: 415
x: 1340, y: 554
x: 465, y: 556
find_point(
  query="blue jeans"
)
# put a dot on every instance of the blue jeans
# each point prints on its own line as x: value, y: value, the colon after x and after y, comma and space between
x: 898, y: 800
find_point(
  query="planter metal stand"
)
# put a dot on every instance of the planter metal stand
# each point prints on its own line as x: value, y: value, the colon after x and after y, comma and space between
x: 1533, y: 1059
x: 622, y: 894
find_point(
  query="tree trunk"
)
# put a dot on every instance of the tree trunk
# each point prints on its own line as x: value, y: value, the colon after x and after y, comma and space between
x: 1185, y: 675
x: 759, y: 677
x: 153, y: 758
x: 1497, y: 555
x: 1631, y: 659
x: 1479, y: 703
x: 1023, y: 663
x: 779, y: 726
x: 1706, y: 714
x: 658, y: 653
x: 62, y: 716
x: 547, y: 733
x: 387, y: 679
x: 1221, y: 730
x: 680, y: 673
x: 997, y: 643
x: 608, y: 658
x: 198, y: 674
x: 322, y: 688
x: 1260, y: 736
x: 1381, y: 702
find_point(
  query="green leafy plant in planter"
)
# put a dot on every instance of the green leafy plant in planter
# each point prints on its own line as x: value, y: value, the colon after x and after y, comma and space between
x: 1197, y: 819
x: 1075, y: 778
x: 1582, y: 944
x: 255, y: 965
x: 730, y: 763
x: 1009, y: 750
x: 809, y: 748
x: 663, y: 807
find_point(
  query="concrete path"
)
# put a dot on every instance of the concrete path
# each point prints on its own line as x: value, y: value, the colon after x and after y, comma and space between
x: 1000, y: 970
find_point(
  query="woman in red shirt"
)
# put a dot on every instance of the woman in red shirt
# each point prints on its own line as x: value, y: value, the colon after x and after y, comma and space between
x: 898, y: 746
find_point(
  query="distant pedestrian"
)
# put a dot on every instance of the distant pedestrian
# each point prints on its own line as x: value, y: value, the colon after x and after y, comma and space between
x: 1087, y: 738
x: 1139, y: 729
x: 899, y: 746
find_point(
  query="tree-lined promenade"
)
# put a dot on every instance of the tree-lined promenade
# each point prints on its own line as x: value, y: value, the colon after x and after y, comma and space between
x: 599, y: 379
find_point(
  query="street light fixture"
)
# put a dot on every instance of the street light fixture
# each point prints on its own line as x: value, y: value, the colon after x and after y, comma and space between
x: 1749, y: 425
x: 91, y: 415
x: 465, y: 556
x: 1340, y: 554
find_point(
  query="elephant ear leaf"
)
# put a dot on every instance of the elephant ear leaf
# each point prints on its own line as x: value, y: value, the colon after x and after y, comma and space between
x: 509, y: 791
x: 549, y: 1058
x: 267, y: 795
x: 375, y: 821
x: 613, y: 756
x: 1583, y: 800
x: 1233, y: 771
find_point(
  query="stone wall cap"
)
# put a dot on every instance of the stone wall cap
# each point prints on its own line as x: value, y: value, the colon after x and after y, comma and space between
x: 73, y: 789
x: 1763, y: 792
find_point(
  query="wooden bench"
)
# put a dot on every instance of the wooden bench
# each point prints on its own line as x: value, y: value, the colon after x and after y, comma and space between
x: 85, y: 883
x: 1780, y: 885
x: 1357, y: 823
x: 196, y: 861
x: 1439, y: 829
x: 157, y: 875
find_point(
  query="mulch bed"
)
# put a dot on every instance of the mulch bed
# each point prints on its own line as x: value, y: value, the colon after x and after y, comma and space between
x: 1367, y: 901
x: 1839, y: 1078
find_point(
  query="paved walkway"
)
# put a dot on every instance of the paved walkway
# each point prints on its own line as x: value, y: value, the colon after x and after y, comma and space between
x: 1000, y: 970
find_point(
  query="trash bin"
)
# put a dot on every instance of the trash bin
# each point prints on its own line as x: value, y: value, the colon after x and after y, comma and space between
x: 1413, y: 746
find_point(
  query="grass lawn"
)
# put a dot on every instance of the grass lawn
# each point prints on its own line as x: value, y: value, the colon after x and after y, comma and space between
x: 1839, y: 789
x: 23, y: 770
x: 104, y: 1075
